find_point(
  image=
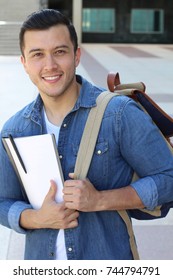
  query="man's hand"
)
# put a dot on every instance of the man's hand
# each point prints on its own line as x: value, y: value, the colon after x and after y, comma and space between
x: 50, y: 215
x: 80, y: 195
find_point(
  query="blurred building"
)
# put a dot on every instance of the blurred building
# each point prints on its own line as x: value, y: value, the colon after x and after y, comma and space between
x: 110, y: 21
x: 12, y: 14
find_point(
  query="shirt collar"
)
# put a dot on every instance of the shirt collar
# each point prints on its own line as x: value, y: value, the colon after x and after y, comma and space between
x: 88, y: 94
x: 86, y: 99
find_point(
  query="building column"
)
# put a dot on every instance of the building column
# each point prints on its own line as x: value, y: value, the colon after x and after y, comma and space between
x: 43, y: 4
x: 77, y: 18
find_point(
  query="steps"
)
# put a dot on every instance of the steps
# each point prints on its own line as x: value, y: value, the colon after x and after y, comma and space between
x: 12, y: 14
x: 9, y: 42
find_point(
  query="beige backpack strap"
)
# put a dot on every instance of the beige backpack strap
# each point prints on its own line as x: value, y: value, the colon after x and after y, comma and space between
x: 86, y: 150
x: 128, y: 223
x: 90, y: 133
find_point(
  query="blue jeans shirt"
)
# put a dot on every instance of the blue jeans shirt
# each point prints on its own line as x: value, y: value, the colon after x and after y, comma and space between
x: 128, y: 141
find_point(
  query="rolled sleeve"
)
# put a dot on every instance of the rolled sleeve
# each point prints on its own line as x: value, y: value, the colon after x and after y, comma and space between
x: 14, y: 215
x: 145, y: 150
x: 147, y: 190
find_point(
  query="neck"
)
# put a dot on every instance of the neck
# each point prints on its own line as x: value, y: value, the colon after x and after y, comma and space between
x: 57, y: 109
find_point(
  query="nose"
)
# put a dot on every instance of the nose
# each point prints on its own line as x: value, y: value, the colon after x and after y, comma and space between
x: 50, y: 62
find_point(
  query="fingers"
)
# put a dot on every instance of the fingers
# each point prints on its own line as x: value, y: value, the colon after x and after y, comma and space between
x: 71, y: 214
x: 80, y: 195
x: 72, y: 176
x: 72, y: 224
x: 52, y: 191
x: 56, y: 215
x: 68, y: 219
x: 73, y: 219
x: 53, y: 185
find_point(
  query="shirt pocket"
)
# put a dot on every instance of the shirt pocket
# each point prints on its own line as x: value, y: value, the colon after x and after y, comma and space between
x: 98, y: 170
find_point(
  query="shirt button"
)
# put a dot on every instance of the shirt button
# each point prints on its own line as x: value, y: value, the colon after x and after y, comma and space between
x: 99, y: 152
x: 64, y: 125
x: 60, y: 156
x: 70, y: 249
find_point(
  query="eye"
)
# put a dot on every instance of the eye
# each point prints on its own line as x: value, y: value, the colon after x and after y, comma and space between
x: 36, y: 55
x: 39, y: 54
x: 60, y: 52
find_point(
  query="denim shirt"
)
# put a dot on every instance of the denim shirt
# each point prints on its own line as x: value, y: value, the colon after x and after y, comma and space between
x: 127, y: 141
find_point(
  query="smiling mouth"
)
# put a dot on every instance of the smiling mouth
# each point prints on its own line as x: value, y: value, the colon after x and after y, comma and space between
x: 52, y: 78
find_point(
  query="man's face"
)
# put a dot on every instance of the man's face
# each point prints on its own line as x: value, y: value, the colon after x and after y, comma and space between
x: 50, y: 61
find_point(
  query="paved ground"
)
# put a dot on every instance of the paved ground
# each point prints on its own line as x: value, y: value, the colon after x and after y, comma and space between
x: 152, y: 64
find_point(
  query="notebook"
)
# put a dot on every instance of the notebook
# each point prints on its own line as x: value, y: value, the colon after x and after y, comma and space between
x: 36, y: 162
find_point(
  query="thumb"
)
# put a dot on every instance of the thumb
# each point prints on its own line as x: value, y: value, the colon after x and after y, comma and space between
x: 72, y: 176
x: 52, y: 191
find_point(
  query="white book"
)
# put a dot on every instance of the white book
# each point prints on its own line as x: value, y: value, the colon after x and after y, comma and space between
x: 40, y: 159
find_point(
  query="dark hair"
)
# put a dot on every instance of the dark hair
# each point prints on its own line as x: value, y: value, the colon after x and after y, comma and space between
x: 45, y: 19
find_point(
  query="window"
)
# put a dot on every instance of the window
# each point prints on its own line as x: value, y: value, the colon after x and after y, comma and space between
x: 98, y: 20
x: 146, y: 21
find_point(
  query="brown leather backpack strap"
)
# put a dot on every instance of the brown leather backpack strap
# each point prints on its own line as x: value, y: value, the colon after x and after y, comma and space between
x: 114, y: 84
x: 137, y: 92
x: 113, y: 80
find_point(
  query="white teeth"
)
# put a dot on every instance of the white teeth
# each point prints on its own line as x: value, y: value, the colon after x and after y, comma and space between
x: 51, y: 78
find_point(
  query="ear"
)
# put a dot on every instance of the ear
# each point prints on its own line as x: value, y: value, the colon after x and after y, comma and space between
x: 23, y: 61
x: 77, y: 56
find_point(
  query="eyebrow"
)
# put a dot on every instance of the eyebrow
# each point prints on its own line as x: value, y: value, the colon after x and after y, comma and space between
x: 35, y: 50
x: 58, y: 47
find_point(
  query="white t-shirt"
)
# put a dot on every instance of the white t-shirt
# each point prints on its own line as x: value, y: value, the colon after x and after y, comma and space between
x: 60, y: 243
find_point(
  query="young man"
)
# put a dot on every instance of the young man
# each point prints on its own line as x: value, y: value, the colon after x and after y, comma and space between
x: 85, y: 225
